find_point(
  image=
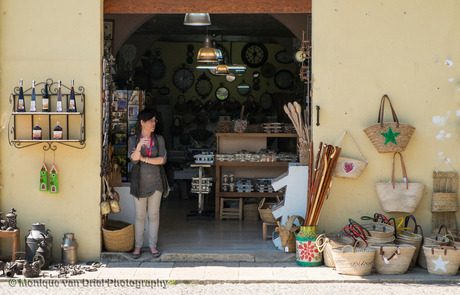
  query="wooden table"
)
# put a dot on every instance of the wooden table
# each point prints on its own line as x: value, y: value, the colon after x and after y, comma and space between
x: 14, y: 234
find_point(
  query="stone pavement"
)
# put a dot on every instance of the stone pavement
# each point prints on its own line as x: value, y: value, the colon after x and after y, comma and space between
x: 230, y: 272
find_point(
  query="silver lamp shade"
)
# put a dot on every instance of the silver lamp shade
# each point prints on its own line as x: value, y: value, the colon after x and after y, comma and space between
x: 197, y: 19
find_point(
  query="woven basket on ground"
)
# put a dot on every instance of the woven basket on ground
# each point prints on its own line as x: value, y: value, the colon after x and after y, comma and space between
x: 250, y: 212
x: 387, y: 240
x: 376, y: 132
x: 118, y: 236
x: 410, y: 239
x: 353, y: 261
x: 326, y: 244
x: 436, y: 255
x: 265, y: 211
x: 392, y: 259
x: 444, y: 202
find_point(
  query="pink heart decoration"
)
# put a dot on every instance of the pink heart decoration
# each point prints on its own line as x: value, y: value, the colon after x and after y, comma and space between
x: 348, y: 167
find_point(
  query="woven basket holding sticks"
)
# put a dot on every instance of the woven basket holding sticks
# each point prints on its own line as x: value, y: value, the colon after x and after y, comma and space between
x: 118, y: 236
x: 389, y: 137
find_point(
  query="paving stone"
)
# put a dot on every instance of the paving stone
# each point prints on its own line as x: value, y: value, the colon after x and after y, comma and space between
x: 260, y: 272
x: 188, y: 271
x: 221, y: 272
x: 323, y: 273
x: 289, y: 272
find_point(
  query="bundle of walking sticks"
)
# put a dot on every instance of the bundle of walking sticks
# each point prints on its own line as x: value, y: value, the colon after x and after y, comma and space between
x: 319, y: 179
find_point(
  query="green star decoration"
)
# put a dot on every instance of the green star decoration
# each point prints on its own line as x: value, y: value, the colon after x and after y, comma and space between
x: 390, y: 136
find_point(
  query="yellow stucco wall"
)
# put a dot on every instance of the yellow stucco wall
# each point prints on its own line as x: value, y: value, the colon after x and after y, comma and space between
x: 364, y: 49
x: 60, y: 40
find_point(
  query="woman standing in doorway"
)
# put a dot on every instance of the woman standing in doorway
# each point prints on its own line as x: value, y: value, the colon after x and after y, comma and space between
x: 148, y: 180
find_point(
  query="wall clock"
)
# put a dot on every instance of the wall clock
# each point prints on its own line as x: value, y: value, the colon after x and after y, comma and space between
x: 183, y: 78
x: 222, y: 92
x: 254, y: 55
x: 283, y: 57
x: 230, y: 77
x: 157, y: 67
x: 203, y: 86
x: 266, y: 101
x: 268, y: 70
x: 243, y: 88
x: 284, y: 79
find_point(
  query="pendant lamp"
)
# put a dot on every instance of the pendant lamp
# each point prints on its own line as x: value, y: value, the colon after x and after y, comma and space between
x: 207, y: 53
x: 197, y: 19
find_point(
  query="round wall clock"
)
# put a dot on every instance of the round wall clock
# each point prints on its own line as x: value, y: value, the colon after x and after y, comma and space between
x: 203, y: 86
x: 284, y: 79
x: 268, y: 70
x: 222, y: 92
x: 230, y: 77
x: 254, y: 55
x: 283, y: 57
x: 183, y: 78
x: 157, y: 67
x: 266, y: 101
x: 243, y: 88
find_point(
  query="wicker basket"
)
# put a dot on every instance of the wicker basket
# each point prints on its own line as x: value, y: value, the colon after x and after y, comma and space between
x: 224, y: 126
x: 392, y: 259
x: 387, y: 240
x: 353, y: 261
x: 399, y: 197
x: 408, y: 238
x: 255, y: 128
x: 265, y: 211
x: 118, y: 236
x: 379, y: 230
x: 444, y: 202
x: 347, y: 167
x: 436, y: 254
x: 436, y: 240
x: 376, y: 132
x: 326, y: 244
x: 250, y: 212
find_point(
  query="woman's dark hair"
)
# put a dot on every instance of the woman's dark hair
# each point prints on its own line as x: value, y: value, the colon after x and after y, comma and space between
x: 146, y: 115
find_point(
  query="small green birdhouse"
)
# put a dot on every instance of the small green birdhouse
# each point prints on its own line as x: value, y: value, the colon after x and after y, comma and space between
x: 43, y: 178
x: 54, y: 180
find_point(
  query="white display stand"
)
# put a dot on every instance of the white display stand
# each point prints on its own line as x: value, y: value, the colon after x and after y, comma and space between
x: 295, y: 198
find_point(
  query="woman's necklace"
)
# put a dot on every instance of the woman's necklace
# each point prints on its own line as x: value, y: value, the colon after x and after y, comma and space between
x: 149, y: 150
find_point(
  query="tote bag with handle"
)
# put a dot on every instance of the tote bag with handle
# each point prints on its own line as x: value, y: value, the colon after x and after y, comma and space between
x: 400, y: 197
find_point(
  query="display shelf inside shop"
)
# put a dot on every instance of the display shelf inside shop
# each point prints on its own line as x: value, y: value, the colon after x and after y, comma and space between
x: 72, y: 123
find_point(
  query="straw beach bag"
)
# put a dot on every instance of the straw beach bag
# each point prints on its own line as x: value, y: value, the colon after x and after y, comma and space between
x: 437, y: 240
x: 347, y: 167
x: 392, y: 259
x: 326, y: 244
x: 442, y: 260
x: 389, y: 137
x: 353, y: 261
x: 400, y: 197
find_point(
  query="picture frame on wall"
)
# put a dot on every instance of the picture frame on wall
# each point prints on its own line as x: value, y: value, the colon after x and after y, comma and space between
x: 108, y: 35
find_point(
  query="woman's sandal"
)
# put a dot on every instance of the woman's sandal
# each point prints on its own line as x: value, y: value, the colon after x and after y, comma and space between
x: 136, y: 256
x: 157, y: 254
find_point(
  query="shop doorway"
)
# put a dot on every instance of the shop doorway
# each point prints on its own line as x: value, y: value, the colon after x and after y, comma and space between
x: 170, y: 43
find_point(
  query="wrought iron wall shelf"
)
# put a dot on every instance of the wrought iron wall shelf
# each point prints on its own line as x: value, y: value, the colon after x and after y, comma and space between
x: 78, y: 140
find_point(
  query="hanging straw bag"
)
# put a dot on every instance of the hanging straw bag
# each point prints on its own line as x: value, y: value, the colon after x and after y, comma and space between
x: 389, y: 137
x: 442, y: 260
x: 437, y: 240
x: 399, y: 197
x: 353, y: 261
x: 347, y: 167
x: 326, y: 244
x: 392, y: 259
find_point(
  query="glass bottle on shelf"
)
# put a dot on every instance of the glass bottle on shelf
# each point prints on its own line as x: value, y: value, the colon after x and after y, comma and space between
x: 21, y: 102
x: 72, y: 106
x: 37, y: 132
x: 59, y: 98
x: 45, y: 100
x: 33, y: 107
x: 57, y: 134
